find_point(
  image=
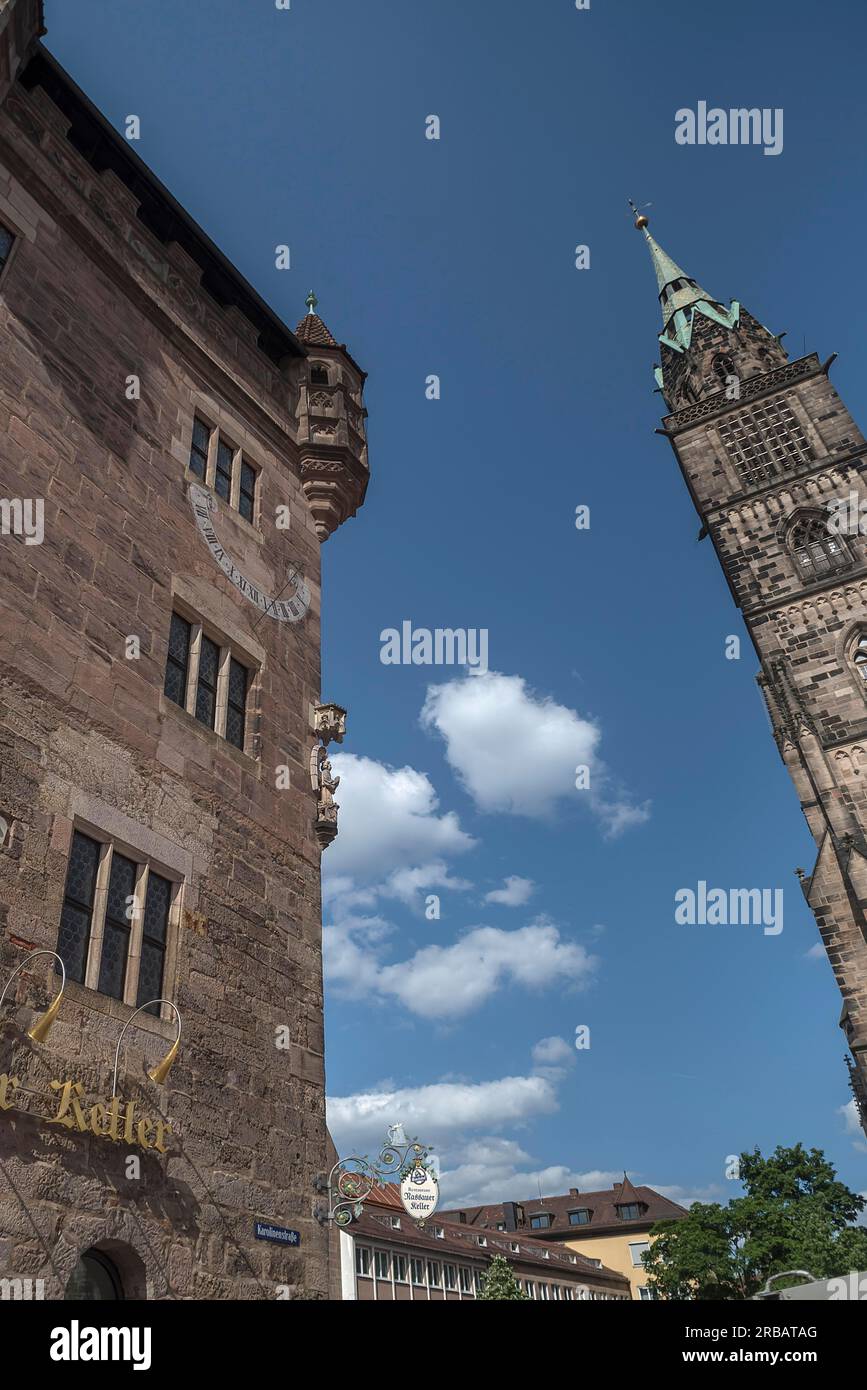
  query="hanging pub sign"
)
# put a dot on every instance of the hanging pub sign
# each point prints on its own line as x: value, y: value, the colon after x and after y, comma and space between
x: 117, y: 1120
x: 419, y: 1191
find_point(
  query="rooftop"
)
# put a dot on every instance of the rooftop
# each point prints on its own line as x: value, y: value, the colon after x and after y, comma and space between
x: 458, y: 1240
x: 602, y: 1208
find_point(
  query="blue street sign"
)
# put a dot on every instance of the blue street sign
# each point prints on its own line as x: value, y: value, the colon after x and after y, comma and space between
x: 280, y: 1235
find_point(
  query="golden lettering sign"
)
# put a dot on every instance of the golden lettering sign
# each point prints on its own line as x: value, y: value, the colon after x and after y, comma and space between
x: 118, y: 1120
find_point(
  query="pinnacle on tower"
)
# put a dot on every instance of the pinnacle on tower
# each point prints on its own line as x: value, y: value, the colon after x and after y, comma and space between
x: 680, y: 296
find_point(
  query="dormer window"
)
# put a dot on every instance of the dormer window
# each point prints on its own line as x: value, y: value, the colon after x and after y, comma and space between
x: 318, y: 374
x: 541, y: 1221
x: 629, y: 1211
x: 580, y: 1217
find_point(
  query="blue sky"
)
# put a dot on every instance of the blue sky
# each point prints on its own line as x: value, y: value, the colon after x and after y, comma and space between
x: 456, y: 258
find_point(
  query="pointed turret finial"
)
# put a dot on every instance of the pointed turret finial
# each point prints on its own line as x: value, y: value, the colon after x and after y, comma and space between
x: 311, y: 301
x: 640, y: 220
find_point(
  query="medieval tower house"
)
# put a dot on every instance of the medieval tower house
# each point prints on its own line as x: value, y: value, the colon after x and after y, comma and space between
x: 172, y: 457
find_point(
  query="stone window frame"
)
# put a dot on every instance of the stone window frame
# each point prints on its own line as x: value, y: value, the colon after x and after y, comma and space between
x: 222, y: 429
x: 848, y: 558
x: 855, y: 642
x: 753, y: 442
x: 110, y: 843
x: 229, y: 651
x: 320, y: 366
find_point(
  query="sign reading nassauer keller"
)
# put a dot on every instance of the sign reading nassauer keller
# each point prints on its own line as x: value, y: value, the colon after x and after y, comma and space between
x: 118, y: 1120
x: 419, y: 1191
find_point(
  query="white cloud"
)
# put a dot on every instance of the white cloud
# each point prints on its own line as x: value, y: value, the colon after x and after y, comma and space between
x: 447, y: 982
x: 517, y: 752
x: 498, y: 1170
x: 389, y: 820
x: 686, y: 1196
x: 816, y: 952
x: 514, y: 893
x: 853, y: 1125
x: 553, y: 1057
x: 436, y: 1113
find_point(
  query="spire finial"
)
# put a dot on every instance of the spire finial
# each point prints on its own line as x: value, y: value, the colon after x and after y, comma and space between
x: 640, y: 220
x: 311, y: 301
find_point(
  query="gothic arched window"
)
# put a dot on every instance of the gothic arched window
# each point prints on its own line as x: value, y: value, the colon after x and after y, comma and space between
x: 859, y: 655
x: 724, y: 366
x: 318, y: 375
x: 816, y: 550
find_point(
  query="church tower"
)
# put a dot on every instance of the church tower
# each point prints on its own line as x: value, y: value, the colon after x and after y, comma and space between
x: 773, y: 462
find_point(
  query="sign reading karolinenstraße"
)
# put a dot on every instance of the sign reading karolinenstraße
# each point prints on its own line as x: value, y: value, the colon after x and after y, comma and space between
x: 290, y: 610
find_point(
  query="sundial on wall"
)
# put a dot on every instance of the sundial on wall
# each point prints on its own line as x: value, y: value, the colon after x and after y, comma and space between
x: 284, y: 610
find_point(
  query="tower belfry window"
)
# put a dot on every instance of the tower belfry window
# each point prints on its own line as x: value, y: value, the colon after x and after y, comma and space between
x: 724, y: 366
x: 766, y: 442
x: 816, y: 550
x: 859, y: 656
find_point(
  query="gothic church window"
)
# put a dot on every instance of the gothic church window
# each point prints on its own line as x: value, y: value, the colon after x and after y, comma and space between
x: 859, y: 656
x: 724, y: 366
x: 118, y: 910
x: 816, y: 550
x: 318, y: 375
x: 766, y: 442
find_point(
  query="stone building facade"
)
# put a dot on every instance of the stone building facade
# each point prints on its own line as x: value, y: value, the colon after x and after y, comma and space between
x: 162, y: 800
x: 775, y: 465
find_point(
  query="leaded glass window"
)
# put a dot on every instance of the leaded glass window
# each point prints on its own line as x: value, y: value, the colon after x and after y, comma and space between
x: 223, y: 474
x: 221, y: 466
x: 816, y: 550
x: 76, y: 916
x: 247, y: 494
x: 206, y: 691
x: 236, y: 713
x: 177, y: 665
x: 766, y: 442
x: 207, y: 680
x: 118, y: 919
x: 199, y: 449
x: 158, y: 901
x: 117, y: 910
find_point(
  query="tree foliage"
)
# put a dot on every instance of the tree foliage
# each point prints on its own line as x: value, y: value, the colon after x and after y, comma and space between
x: 500, y: 1282
x: 794, y: 1214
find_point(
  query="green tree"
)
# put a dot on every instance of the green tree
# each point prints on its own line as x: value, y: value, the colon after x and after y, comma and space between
x: 500, y: 1282
x: 794, y: 1214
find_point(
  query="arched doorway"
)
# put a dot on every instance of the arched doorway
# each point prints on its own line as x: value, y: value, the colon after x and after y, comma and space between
x: 94, y: 1279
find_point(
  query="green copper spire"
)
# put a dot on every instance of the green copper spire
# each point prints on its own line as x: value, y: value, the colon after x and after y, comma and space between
x: 680, y: 296
x: 311, y: 301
